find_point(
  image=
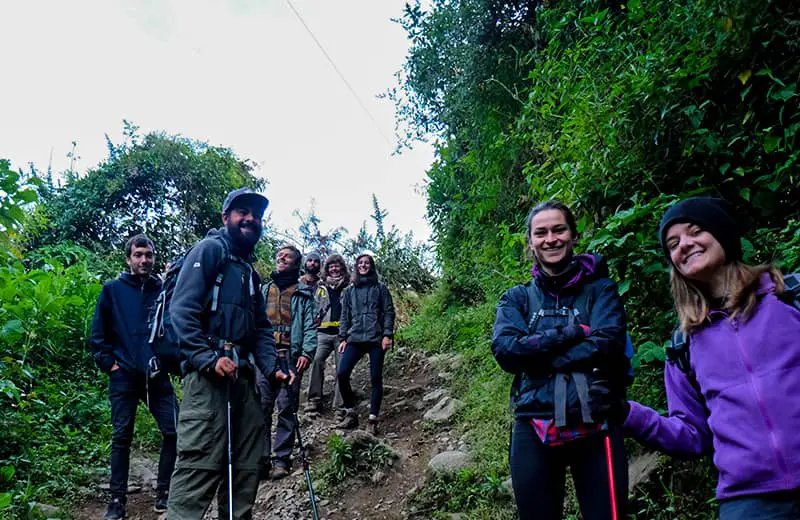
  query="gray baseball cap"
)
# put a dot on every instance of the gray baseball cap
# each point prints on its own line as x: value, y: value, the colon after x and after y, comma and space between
x: 245, y: 197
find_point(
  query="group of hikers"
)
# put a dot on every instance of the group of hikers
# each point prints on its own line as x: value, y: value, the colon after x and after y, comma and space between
x: 732, y: 380
x: 242, y: 349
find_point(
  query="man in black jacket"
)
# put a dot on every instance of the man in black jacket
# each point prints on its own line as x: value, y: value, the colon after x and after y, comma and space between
x: 219, y: 315
x: 119, y: 342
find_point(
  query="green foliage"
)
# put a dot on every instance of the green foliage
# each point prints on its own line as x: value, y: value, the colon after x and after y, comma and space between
x: 355, y: 457
x: 618, y: 109
x: 168, y: 186
x: 16, y: 192
x: 53, y: 410
x: 480, y: 494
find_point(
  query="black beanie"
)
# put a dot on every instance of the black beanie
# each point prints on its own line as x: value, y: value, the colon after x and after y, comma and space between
x: 714, y: 215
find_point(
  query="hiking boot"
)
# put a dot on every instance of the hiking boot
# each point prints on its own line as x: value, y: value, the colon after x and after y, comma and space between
x: 350, y: 420
x: 162, y: 501
x: 312, y: 407
x: 339, y: 415
x: 116, y: 509
x: 278, y: 472
x: 372, y: 425
x: 264, y: 469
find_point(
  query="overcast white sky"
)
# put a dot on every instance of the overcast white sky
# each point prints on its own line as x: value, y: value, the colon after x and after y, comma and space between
x: 238, y: 73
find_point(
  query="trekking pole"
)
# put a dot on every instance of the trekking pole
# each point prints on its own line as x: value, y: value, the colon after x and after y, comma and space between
x: 609, y: 458
x: 230, y: 353
x: 611, y: 481
x: 301, y: 446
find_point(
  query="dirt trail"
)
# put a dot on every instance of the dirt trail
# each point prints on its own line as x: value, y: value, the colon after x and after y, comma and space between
x: 408, y: 376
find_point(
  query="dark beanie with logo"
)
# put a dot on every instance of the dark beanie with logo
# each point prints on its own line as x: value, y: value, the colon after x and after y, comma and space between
x: 714, y: 215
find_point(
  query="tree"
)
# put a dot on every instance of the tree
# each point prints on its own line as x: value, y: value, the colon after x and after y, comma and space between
x: 312, y: 238
x: 169, y: 187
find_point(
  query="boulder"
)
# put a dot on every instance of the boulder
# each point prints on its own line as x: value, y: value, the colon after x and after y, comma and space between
x: 435, y: 395
x: 444, y: 410
x: 448, y: 462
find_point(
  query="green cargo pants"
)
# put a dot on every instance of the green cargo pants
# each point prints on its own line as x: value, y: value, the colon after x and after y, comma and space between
x: 202, y: 464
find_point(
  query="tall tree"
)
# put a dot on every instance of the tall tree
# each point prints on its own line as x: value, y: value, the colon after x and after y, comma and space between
x: 167, y: 186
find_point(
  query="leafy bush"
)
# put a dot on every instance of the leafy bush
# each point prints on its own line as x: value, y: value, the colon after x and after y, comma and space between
x: 54, y: 412
x: 354, y: 457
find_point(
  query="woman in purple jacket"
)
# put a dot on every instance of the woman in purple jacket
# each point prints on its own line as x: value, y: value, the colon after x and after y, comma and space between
x: 739, y: 395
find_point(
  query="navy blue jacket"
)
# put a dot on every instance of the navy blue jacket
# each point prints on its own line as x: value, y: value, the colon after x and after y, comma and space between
x: 119, y: 328
x: 559, y: 345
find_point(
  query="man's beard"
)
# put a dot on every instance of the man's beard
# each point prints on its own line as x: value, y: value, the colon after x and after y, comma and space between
x: 244, y: 242
x: 313, y: 270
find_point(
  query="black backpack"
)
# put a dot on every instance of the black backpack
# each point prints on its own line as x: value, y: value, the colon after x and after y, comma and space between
x: 678, y: 349
x: 164, y: 341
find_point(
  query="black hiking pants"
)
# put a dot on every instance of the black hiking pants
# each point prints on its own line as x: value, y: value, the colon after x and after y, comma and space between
x: 125, y: 390
x: 538, y: 475
x: 352, y: 354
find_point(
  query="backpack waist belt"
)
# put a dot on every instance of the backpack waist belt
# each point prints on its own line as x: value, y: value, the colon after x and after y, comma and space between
x: 329, y: 324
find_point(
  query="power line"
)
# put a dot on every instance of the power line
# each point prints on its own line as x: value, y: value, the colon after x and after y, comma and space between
x: 339, y: 73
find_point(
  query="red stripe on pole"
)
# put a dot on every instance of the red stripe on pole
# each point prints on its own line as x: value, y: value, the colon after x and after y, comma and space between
x: 611, y: 487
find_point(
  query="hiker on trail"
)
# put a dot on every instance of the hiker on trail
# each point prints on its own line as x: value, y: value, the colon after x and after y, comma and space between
x: 119, y: 342
x: 311, y: 268
x: 328, y: 297
x: 367, y: 327
x: 559, y: 334
x: 291, y: 310
x: 733, y: 379
x: 219, y: 315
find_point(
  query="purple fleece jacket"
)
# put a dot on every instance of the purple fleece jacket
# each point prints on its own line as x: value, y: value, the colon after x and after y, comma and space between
x: 743, y: 401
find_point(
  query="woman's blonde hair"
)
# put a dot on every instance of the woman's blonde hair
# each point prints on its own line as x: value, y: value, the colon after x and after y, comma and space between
x: 741, y: 283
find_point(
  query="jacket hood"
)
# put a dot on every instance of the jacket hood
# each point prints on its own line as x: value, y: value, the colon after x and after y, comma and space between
x: 582, y: 269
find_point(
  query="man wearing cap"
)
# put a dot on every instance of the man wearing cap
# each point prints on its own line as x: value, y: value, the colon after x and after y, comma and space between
x: 219, y: 315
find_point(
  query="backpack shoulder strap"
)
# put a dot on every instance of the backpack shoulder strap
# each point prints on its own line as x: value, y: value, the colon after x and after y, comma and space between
x: 791, y: 290
x: 226, y: 257
x: 534, y: 304
x: 678, y: 350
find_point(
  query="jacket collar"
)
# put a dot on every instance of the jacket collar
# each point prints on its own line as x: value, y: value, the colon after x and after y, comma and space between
x: 148, y: 282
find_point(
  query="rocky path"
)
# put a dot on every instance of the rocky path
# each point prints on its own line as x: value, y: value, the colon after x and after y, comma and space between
x: 415, y: 417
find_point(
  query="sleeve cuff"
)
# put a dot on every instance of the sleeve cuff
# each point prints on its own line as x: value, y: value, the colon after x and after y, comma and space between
x: 105, y: 363
x: 637, y: 416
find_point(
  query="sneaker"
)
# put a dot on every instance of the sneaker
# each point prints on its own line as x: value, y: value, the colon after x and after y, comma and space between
x: 350, y: 420
x: 278, y: 472
x: 116, y: 509
x: 312, y: 407
x: 162, y: 501
x: 372, y: 425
